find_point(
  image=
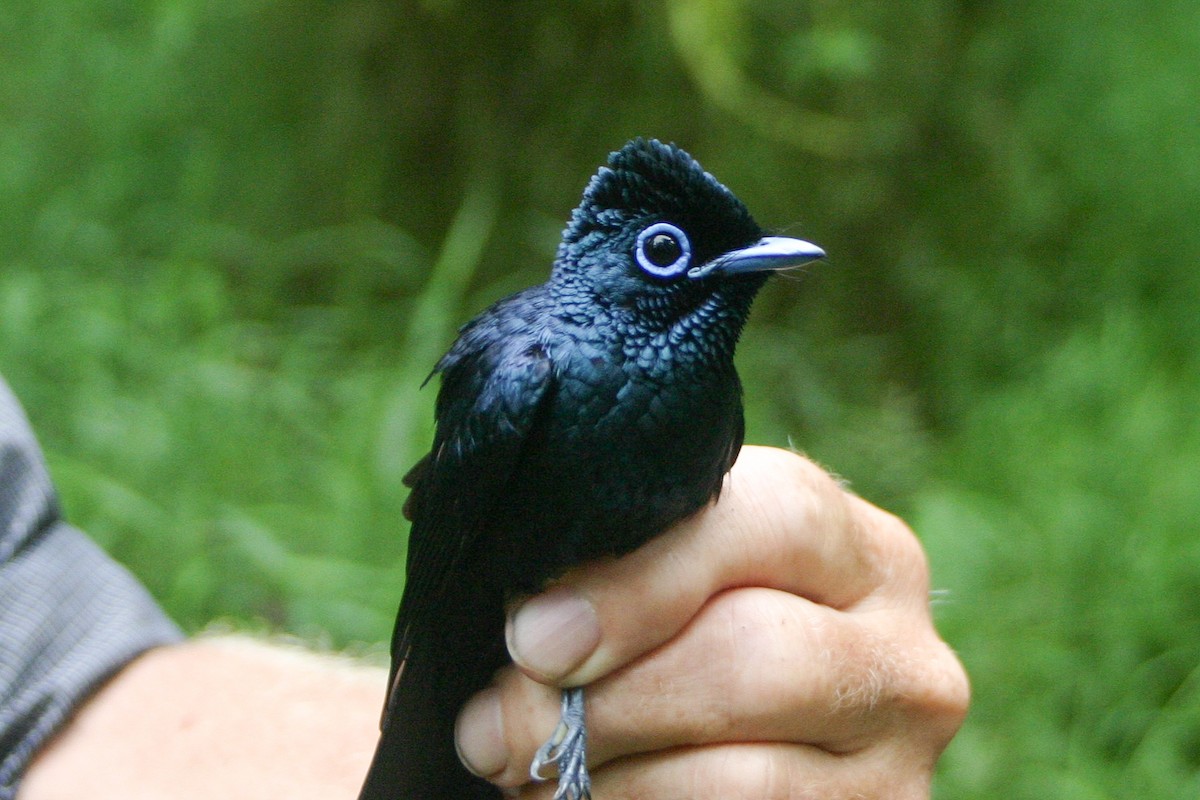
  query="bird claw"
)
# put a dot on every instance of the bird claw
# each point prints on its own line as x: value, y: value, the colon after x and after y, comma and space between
x: 567, y: 749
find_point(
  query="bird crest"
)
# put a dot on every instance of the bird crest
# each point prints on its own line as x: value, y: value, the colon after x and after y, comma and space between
x: 649, y: 179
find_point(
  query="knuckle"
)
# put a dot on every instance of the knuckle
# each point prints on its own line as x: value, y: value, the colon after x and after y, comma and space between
x: 950, y: 690
x: 898, y: 555
x: 932, y: 696
x: 897, y: 680
x: 904, y: 545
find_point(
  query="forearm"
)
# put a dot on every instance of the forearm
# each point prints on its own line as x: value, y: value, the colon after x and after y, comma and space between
x: 218, y: 717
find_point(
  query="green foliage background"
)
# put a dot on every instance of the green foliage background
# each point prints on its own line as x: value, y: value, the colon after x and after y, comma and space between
x: 234, y: 237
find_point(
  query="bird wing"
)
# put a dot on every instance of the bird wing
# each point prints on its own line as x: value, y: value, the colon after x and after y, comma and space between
x: 495, y: 383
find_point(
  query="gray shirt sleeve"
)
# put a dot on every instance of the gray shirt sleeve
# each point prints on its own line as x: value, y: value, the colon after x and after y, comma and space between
x: 70, y: 616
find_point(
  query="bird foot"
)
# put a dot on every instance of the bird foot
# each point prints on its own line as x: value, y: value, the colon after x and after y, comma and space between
x: 567, y: 749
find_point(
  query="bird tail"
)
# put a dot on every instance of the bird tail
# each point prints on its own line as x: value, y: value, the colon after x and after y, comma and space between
x: 416, y: 758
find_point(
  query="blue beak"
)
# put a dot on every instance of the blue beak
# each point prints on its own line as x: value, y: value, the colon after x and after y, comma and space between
x: 769, y: 254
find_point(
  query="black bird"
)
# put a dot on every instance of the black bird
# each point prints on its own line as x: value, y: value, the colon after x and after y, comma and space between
x: 576, y: 419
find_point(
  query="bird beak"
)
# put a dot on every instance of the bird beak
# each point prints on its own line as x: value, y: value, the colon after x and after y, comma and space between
x: 769, y: 254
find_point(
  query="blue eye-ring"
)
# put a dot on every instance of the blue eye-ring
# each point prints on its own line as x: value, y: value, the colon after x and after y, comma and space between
x: 663, y: 250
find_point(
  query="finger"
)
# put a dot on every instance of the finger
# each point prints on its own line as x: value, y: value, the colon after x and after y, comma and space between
x: 760, y: 770
x: 763, y: 665
x: 781, y: 523
x: 755, y: 664
x: 896, y: 561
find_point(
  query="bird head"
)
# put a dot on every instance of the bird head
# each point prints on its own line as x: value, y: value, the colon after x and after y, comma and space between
x: 657, y: 234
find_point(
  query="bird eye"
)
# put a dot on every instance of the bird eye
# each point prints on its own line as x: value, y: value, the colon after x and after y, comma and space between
x: 663, y: 250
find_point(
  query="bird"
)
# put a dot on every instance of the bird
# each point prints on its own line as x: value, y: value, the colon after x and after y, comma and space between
x: 575, y: 420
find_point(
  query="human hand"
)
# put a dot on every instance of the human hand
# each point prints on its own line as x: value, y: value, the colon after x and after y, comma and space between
x: 777, y: 644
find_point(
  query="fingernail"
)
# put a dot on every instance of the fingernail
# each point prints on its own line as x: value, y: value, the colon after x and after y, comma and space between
x: 479, y: 735
x: 553, y: 633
